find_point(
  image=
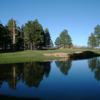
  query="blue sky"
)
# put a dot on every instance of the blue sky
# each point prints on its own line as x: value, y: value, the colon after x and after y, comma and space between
x: 79, y: 17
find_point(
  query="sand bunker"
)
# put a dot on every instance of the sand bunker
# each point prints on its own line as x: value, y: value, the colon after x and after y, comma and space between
x: 57, y: 54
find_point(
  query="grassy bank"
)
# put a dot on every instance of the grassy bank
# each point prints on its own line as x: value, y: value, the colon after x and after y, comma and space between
x: 37, y: 55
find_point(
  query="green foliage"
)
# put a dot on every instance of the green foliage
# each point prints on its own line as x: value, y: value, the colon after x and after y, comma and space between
x: 94, y: 38
x: 92, y: 41
x: 31, y: 36
x: 47, y: 38
x: 5, y: 40
x: 64, y: 40
x: 48, y: 43
x: 51, y: 44
x: 19, y: 44
x: 16, y: 35
x: 11, y: 24
x: 57, y: 42
x: 97, y: 34
x: 34, y: 34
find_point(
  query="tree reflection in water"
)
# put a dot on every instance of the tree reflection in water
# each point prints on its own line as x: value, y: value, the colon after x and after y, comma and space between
x: 34, y: 72
x: 94, y: 65
x: 64, y: 66
x: 30, y: 73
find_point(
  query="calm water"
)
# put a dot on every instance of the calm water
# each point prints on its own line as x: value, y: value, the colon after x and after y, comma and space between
x: 57, y: 80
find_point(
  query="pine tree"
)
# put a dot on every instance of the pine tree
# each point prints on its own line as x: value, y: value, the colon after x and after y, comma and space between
x: 92, y: 41
x: 97, y: 34
x: 64, y: 40
x: 94, y: 38
x: 57, y: 42
x: 19, y: 38
x: 12, y: 28
x: 33, y: 35
x: 47, y: 38
x: 5, y: 40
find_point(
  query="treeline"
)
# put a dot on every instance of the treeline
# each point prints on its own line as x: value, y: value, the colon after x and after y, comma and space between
x: 29, y: 36
x: 94, y: 38
x: 32, y: 36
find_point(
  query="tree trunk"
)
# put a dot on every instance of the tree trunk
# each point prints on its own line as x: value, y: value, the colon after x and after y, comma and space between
x: 14, y: 35
x: 34, y: 48
x: 31, y: 47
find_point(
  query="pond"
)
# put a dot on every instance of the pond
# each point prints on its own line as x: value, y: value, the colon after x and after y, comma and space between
x: 55, y: 80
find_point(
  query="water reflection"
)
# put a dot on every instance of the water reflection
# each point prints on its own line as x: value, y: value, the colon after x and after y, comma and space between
x: 94, y: 65
x: 34, y: 72
x: 44, y: 81
x: 30, y: 73
x: 64, y: 66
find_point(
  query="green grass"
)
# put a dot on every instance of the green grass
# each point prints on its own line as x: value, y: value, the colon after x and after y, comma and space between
x: 36, y: 55
x: 24, y: 56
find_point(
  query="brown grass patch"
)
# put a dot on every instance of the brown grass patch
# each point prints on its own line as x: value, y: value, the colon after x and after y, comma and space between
x: 57, y: 55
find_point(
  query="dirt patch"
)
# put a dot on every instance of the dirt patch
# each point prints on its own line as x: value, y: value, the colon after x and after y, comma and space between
x: 57, y: 55
x: 73, y: 56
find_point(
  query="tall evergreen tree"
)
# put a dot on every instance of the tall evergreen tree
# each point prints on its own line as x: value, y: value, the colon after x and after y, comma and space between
x: 1, y: 36
x: 94, y: 38
x: 97, y: 34
x: 64, y: 40
x: 33, y: 34
x: 5, y: 40
x: 51, y: 44
x: 47, y: 38
x: 57, y: 42
x: 92, y: 41
x: 19, y: 39
x: 12, y: 28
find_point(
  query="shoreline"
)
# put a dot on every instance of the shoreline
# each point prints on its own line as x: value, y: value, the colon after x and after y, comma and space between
x: 47, y: 55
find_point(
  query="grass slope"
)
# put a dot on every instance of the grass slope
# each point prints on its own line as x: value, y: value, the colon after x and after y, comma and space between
x: 36, y: 55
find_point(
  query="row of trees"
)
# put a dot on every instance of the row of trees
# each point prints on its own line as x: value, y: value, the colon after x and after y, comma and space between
x: 33, y: 36
x: 94, y: 38
x: 30, y: 36
x: 64, y: 40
